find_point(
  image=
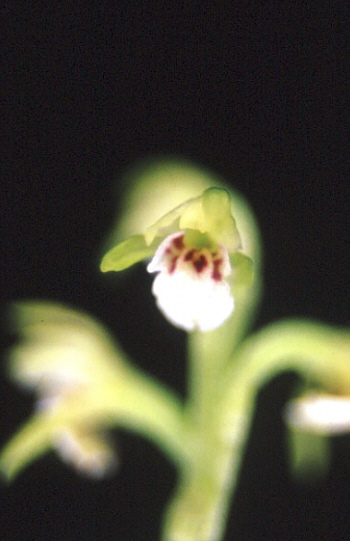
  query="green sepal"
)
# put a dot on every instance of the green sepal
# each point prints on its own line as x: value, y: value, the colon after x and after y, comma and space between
x: 242, y: 269
x: 127, y: 253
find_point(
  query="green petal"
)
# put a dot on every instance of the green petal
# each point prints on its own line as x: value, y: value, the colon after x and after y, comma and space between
x: 211, y: 213
x: 127, y: 253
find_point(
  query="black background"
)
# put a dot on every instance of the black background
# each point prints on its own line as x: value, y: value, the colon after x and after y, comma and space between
x: 253, y: 91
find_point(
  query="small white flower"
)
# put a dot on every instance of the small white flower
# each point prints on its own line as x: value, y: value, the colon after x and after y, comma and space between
x: 321, y: 413
x: 68, y: 359
x: 192, y: 248
x: 191, y: 287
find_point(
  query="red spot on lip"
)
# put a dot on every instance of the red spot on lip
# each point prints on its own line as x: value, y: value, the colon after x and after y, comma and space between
x: 216, y: 274
x: 189, y: 255
x: 200, y: 263
x: 173, y: 264
x: 178, y: 242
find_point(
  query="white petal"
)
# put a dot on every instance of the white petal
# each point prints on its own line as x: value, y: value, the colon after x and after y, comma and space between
x: 88, y: 452
x: 320, y: 413
x: 159, y: 261
x: 190, y: 303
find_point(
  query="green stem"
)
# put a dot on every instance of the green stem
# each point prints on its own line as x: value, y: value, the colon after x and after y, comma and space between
x: 318, y: 352
x: 199, y: 508
x: 222, y: 409
x: 155, y: 411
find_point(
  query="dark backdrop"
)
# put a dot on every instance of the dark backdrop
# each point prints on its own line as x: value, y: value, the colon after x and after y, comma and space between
x: 257, y: 94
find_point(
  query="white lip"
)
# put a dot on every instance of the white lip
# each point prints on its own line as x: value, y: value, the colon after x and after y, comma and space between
x: 320, y: 413
x: 188, y: 298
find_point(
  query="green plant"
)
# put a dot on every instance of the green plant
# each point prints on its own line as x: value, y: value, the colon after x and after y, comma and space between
x: 202, y: 242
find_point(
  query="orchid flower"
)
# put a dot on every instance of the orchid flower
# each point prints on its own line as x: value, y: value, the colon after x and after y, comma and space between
x: 66, y: 359
x: 205, y: 254
x: 196, y: 251
x: 84, y: 384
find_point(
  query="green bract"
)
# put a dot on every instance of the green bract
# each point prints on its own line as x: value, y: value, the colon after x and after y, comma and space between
x: 127, y: 253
